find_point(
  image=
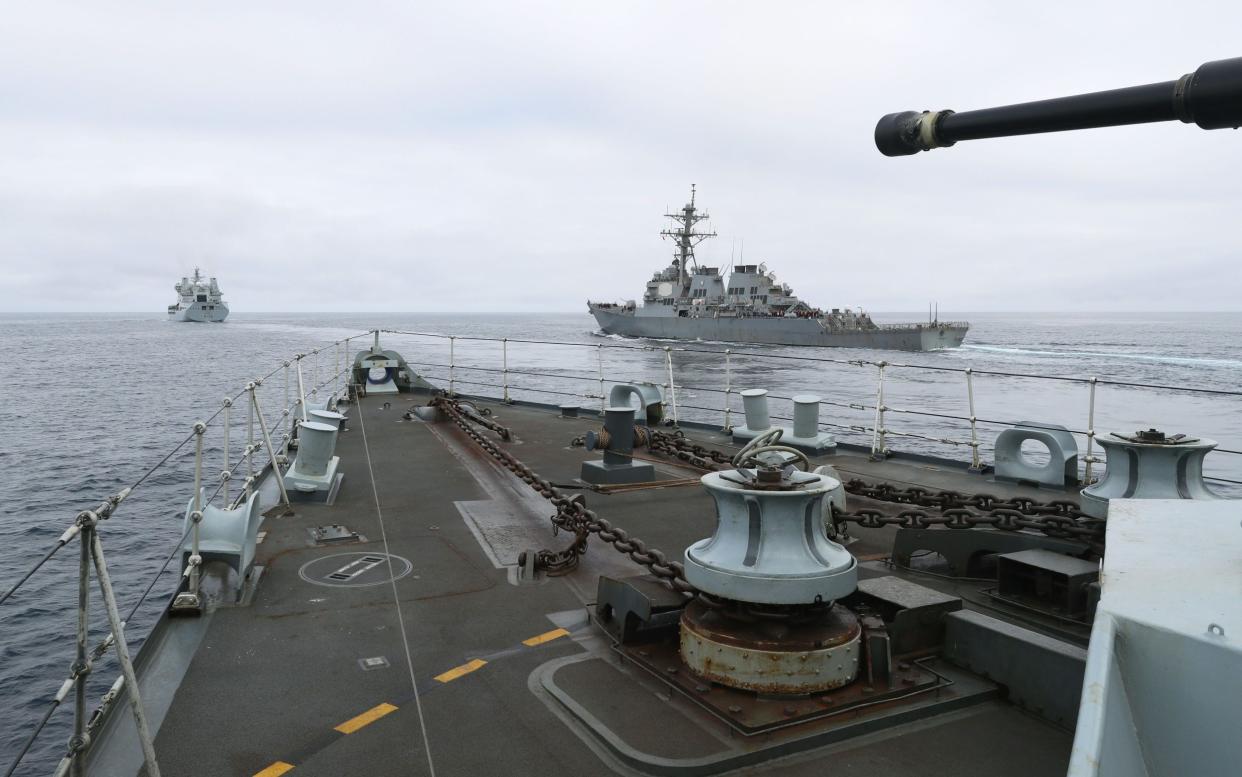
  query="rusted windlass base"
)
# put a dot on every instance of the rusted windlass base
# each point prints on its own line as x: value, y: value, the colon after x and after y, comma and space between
x: 804, y: 652
x: 749, y: 713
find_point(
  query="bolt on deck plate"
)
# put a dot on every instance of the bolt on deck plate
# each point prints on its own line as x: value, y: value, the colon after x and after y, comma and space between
x: 751, y: 713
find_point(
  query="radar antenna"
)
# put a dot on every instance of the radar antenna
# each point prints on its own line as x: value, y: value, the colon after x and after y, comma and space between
x: 686, y: 236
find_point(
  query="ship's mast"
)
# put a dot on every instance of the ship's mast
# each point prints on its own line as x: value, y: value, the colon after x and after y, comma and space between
x: 685, y: 235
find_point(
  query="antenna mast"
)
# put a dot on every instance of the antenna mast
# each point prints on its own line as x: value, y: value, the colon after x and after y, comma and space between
x: 686, y: 236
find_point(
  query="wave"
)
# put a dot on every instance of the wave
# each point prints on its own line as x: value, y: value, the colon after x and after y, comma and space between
x: 1144, y: 357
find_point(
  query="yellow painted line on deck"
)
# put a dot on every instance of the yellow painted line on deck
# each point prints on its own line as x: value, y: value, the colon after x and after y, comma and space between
x: 275, y: 770
x: 366, y: 718
x: 547, y: 636
x: 458, y: 671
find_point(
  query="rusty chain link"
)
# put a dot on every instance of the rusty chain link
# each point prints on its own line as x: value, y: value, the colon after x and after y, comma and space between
x: 572, y: 514
x: 1060, y: 518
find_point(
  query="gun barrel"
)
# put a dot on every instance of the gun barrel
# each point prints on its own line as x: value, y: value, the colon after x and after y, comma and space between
x: 1210, y: 97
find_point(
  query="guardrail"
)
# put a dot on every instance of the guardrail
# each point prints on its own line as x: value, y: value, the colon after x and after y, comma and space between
x: 873, y: 412
x: 86, y: 529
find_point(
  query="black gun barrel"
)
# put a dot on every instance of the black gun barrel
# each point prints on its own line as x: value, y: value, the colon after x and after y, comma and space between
x: 1210, y: 97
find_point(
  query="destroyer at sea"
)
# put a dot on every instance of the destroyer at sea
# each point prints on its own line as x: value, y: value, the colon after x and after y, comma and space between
x: 690, y: 301
x: 198, y: 299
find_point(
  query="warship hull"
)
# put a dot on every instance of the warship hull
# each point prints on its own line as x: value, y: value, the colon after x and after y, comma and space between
x: 780, y: 331
x: 200, y: 313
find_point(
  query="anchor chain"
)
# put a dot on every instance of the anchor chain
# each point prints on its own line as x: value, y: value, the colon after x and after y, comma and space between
x: 1060, y: 518
x: 571, y: 515
x: 675, y: 445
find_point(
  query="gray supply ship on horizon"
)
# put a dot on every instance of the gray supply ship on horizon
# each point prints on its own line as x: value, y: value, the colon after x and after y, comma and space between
x: 198, y: 299
x: 690, y: 301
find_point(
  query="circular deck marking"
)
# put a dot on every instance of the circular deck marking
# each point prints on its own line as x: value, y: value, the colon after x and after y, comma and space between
x: 354, y: 570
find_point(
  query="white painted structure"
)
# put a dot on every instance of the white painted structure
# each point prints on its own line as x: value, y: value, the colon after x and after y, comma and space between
x: 1162, y: 693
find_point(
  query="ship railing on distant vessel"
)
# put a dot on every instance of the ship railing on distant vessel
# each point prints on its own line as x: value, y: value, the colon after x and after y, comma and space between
x: 491, y: 367
x: 925, y: 325
x: 268, y: 437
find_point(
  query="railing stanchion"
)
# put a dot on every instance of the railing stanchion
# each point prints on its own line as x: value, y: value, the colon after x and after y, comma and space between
x: 289, y: 421
x: 728, y: 426
x: 452, y: 364
x: 1090, y: 458
x: 249, y: 449
x: 504, y: 355
x: 196, y: 515
x: 301, y: 392
x: 122, y: 654
x: 974, y: 436
x: 877, y: 433
x: 267, y: 441
x: 672, y: 387
x: 81, y: 666
x: 349, y: 373
x: 225, y: 476
x: 599, y: 360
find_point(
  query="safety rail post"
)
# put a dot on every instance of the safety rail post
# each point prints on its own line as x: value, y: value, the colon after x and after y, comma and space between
x: 599, y: 360
x: 672, y: 387
x: 349, y: 372
x: 504, y: 364
x: 82, y: 665
x: 301, y: 390
x: 1089, y: 459
x: 250, y: 449
x: 225, y: 475
x: 452, y: 363
x: 122, y: 654
x: 877, y: 432
x: 975, y: 464
x: 196, y: 515
x: 267, y: 441
x: 315, y: 373
x: 728, y: 426
x: 289, y: 421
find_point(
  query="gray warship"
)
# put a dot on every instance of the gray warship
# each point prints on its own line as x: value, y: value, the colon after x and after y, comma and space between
x: 198, y: 299
x: 408, y: 568
x: 690, y: 301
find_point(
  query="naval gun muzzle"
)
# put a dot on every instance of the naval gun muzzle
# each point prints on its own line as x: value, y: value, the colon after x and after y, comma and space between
x: 1210, y: 97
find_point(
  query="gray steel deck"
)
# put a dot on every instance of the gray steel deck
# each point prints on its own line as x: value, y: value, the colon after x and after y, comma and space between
x: 270, y: 681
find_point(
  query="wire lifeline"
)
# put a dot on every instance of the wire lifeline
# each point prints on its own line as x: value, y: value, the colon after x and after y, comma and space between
x: 405, y: 641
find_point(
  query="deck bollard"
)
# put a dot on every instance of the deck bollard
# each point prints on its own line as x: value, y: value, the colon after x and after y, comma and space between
x: 755, y: 405
x: 806, y: 415
x: 618, y: 465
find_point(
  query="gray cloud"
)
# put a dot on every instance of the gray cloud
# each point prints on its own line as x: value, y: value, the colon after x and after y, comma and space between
x: 518, y: 156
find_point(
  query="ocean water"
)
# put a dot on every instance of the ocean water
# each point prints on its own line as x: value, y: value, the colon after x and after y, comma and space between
x: 93, y: 401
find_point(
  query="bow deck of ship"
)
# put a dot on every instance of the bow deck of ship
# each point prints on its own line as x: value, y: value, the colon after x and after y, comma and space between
x: 334, y: 669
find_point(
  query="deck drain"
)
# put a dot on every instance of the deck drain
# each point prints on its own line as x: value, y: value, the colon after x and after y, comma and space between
x: 355, y: 570
x: 371, y: 664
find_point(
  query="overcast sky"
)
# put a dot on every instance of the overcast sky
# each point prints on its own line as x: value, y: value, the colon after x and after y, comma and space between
x: 518, y: 156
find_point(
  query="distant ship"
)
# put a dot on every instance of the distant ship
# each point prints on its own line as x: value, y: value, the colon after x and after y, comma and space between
x: 198, y: 299
x: 689, y: 301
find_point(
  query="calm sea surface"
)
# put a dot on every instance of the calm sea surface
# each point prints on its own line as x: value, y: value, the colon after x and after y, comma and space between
x: 95, y: 400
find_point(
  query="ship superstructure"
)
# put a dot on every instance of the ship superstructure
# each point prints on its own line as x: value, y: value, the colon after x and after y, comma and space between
x: 198, y: 299
x: 692, y: 301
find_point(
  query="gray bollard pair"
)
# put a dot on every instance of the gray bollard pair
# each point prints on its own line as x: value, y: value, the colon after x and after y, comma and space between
x: 803, y: 435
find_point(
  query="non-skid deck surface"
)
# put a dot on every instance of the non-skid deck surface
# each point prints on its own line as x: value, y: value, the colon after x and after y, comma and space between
x: 282, y: 686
